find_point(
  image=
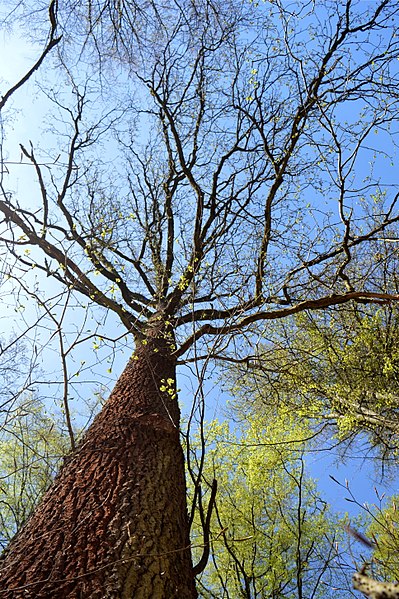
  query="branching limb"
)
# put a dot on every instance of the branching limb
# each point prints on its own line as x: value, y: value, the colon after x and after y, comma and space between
x: 312, y: 304
x: 206, y: 522
x: 52, y: 42
x: 374, y: 589
x: 74, y: 276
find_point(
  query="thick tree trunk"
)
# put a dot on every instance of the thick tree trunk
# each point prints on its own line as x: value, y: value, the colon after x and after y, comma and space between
x: 114, y: 523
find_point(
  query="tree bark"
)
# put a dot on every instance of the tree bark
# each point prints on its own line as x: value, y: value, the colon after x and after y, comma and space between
x: 114, y: 523
x: 374, y: 589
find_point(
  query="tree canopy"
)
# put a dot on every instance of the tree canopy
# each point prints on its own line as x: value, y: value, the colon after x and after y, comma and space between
x: 272, y: 534
x: 338, y: 369
x: 233, y: 189
x: 205, y: 170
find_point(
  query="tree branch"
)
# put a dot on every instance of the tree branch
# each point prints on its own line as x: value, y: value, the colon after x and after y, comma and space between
x: 313, y: 304
x: 53, y: 41
x: 200, y: 567
x: 374, y: 589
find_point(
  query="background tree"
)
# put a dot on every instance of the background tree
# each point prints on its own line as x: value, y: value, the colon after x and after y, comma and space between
x: 381, y: 539
x: 338, y: 369
x: 31, y: 447
x: 216, y: 180
x: 272, y: 535
x: 383, y: 531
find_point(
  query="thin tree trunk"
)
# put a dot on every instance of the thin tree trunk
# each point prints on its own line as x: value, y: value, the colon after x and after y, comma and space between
x: 114, y: 523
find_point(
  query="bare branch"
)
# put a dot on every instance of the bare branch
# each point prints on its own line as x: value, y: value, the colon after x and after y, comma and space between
x: 52, y: 42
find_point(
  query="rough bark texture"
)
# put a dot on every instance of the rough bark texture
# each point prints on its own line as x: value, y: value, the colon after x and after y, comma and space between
x: 114, y: 523
x: 374, y: 589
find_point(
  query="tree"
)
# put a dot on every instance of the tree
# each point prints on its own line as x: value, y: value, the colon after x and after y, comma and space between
x: 374, y: 589
x: 338, y: 369
x: 209, y: 174
x: 31, y: 447
x: 383, y: 564
x: 272, y: 534
x: 383, y: 531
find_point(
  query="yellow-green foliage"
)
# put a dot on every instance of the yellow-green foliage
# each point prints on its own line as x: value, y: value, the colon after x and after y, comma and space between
x: 31, y: 446
x: 385, y: 531
x: 341, y: 366
x: 270, y: 531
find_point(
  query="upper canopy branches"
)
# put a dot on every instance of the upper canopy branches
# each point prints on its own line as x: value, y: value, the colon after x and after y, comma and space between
x: 221, y: 164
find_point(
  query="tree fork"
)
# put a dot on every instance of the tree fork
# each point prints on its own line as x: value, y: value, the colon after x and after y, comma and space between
x: 114, y: 523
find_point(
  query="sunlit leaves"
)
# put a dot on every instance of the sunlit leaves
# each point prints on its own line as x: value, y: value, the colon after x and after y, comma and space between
x: 341, y: 368
x: 31, y: 447
x: 271, y: 531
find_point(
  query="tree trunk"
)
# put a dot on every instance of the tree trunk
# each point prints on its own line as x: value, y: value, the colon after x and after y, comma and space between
x: 114, y: 523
